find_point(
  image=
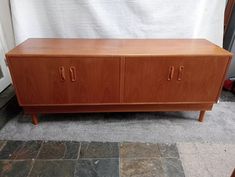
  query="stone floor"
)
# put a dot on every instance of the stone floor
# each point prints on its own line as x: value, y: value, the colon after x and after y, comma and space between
x: 207, y: 159
x: 88, y: 159
x: 98, y: 159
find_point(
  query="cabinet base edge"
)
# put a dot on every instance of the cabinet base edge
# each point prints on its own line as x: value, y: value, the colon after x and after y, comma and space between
x: 117, y: 108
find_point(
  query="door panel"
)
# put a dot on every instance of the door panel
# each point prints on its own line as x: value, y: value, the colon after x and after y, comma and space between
x: 50, y: 81
x: 177, y: 79
x: 38, y: 81
x: 96, y: 80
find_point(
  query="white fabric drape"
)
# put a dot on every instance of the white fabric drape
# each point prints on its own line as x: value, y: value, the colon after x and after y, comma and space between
x: 7, y: 41
x: 119, y: 19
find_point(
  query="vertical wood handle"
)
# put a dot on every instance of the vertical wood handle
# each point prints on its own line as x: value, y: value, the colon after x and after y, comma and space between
x: 180, y: 74
x: 171, y: 73
x: 73, y: 74
x: 62, y: 73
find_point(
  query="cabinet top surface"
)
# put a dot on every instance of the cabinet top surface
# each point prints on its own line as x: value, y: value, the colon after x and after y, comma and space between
x: 116, y: 47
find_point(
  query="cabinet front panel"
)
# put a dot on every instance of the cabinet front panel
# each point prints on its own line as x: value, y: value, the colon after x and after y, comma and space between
x: 178, y: 79
x: 48, y: 81
x: 97, y: 80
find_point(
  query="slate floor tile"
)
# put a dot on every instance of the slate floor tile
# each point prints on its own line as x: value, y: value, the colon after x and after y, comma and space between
x: 139, y: 150
x: 169, y: 150
x: 9, y: 168
x: 172, y: 167
x: 97, y: 168
x: 131, y: 167
x: 20, y: 150
x: 99, y: 150
x: 59, y: 150
x: 53, y: 168
x: 2, y: 144
x: 10, y: 148
x: 72, y: 150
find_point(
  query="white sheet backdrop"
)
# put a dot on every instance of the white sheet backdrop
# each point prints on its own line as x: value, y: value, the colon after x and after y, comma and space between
x: 119, y: 19
x: 7, y: 41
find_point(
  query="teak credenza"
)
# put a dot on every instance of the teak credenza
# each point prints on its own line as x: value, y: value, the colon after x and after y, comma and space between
x: 117, y: 75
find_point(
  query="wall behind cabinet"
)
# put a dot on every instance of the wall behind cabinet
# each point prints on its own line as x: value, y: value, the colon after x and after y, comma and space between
x: 119, y: 19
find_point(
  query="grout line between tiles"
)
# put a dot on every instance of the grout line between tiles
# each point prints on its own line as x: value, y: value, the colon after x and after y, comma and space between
x: 4, y: 144
x: 101, y: 158
x: 93, y: 158
x: 149, y: 157
x: 56, y: 160
x: 39, y: 149
x: 33, y: 160
x: 59, y: 159
x: 119, y: 159
x: 15, y: 160
x: 32, y: 164
x: 65, y: 150
x: 74, y: 171
x: 79, y: 150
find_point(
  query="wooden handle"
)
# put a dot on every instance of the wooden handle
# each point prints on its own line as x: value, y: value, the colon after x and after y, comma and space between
x: 181, y: 68
x: 73, y: 76
x: 171, y: 73
x: 62, y: 73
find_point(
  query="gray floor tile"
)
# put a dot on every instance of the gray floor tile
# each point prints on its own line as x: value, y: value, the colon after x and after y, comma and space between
x: 56, y: 168
x: 172, y: 167
x: 99, y: 150
x: 2, y: 144
x: 59, y: 150
x: 20, y: 150
x: 15, y: 168
x: 169, y: 150
x: 130, y: 167
x: 139, y: 150
x: 72, y: 150
x: 97, y: 168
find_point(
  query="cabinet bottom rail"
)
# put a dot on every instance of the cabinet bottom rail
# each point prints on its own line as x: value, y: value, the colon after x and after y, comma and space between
x: 34, y: 110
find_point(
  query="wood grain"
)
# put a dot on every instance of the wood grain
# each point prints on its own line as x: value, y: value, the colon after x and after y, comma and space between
x: 117, y: 108
x: 147, y: 79
x: 39, y: 80
x: 117, y: 75
x: 116, y: 47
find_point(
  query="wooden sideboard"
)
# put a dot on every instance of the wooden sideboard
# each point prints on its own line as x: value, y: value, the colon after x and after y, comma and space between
x: 117, y: 75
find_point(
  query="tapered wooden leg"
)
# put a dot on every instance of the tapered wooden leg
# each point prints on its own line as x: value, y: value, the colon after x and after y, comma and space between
x: 233, y: 175
x: 201, y: 116
x: 35, y: 119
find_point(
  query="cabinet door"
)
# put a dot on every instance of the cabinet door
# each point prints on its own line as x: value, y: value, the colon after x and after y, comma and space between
x: 97, y: 80
x: 187, y: 79
x: 48, y: 81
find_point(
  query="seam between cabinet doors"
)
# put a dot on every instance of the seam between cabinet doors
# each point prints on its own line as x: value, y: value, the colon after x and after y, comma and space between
x: 122, y: 78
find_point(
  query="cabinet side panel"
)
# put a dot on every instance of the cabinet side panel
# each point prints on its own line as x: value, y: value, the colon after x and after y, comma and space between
x: 224, y: 77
